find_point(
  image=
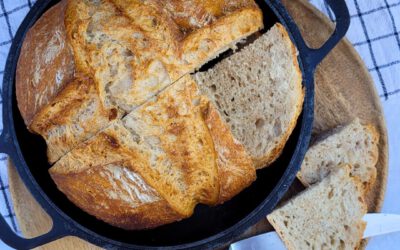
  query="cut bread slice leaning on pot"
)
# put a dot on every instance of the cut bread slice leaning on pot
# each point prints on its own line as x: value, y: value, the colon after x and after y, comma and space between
x: 179, y: 146
x: 258, y: 92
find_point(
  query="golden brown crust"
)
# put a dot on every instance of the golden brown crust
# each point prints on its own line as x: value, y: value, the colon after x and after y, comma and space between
x: 175, y: 118
x: 190, y: 15
x: 75, y: 115
x: 108, y: 199
x: 45, y: 64
x: 147, y: 31
x: 268, y: 159
x: 146, y: 13
x: 165, y: 141
x: 235, y: 167
x: 206, y: 43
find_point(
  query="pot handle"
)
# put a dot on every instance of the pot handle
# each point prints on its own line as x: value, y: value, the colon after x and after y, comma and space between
x: 314, y: 56
x: 7, y: 235
x: 10, y: 238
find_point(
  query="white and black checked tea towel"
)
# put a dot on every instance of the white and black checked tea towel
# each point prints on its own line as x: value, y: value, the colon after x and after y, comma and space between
x: 374, y: 32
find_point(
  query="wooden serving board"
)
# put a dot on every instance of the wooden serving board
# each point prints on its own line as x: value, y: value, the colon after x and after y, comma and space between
x: 344, y: 90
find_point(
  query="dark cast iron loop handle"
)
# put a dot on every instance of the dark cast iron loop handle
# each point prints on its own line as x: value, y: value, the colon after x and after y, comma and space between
x: 7, y: 235
x: 315, y: 56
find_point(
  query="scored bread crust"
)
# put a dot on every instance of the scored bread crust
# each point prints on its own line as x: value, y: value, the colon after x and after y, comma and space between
x: 165, y: 142
x: 151, y: 63
x: 73, y: 116
x: 59, y: 129
x: 267, y: 159
x: 130, y: 144
x: 45, y: 64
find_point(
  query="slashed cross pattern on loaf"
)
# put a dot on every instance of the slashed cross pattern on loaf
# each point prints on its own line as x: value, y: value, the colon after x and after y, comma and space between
x: 166, y: 142
x: 136, y: 49
x: 133, y: 50
x: 134, y: 131
x: 73, y: 116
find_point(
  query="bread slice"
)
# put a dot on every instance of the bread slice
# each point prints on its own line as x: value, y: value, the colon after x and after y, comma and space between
x: 174, y: 146
x: 328, y: 215
x: 45, y: 65
x: 132, y: 59
x: 258, y: 92
x: 355, y: 144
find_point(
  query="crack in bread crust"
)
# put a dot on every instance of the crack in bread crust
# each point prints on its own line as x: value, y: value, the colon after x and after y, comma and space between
x: 135, y: 55
x: 172, y: 143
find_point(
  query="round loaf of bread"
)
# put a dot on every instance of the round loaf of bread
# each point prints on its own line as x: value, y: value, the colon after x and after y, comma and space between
x: 133, y: 136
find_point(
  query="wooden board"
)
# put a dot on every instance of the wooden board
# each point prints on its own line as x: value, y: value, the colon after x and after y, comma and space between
x: 344, y: 90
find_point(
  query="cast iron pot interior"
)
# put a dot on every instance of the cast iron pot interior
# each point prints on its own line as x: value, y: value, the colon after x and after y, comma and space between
x: 209, y: 226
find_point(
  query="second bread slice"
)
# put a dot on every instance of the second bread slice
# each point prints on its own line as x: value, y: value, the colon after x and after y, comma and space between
x: 328, y: 215
x: 354, y: 144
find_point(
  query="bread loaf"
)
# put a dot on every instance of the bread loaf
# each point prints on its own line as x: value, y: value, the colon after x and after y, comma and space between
x: 328, y: 215
x: 132, y: 138
x: 177, y: 143
x: 354, y: 144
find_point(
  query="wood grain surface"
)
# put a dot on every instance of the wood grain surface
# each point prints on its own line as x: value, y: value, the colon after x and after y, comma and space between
x: 344, y: 90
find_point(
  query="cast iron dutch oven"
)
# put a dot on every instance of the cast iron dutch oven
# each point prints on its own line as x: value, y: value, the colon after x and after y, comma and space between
x: 209, y: 227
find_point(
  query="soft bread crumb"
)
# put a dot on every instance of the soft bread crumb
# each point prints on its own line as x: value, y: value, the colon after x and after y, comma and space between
x: 328, y: 215
x: 258, y: 92
x: 354, y: 144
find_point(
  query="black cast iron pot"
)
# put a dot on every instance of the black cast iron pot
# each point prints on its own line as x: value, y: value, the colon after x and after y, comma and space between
x: 209, y: 227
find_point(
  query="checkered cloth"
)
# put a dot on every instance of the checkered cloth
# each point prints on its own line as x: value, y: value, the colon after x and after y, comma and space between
x: 374, y: 32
